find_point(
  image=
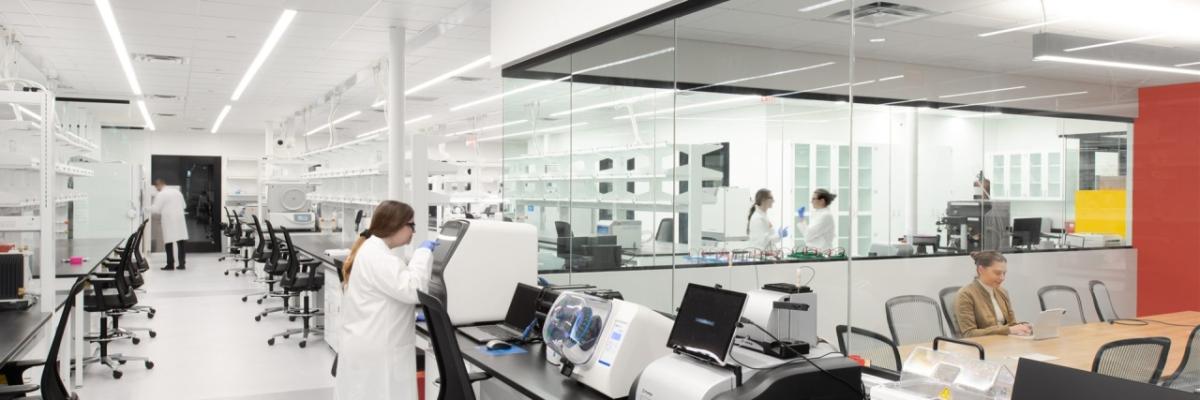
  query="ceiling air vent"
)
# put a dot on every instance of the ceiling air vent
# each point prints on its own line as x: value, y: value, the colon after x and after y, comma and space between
x: 159, y: 59
x: 882, y: 13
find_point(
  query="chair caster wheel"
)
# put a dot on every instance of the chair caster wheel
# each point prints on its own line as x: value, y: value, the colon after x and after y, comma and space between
x: 259, y: 301
x: 243, y: 299
x: 257, y: 318
x: 291, y: 319
x: 226, y: 273
x: 149, y: 364
x: 153, y: 334
x: 136, y: 341
x: 150, y: 315
x: 271, y: 342
x: 303, y: 344
x: 236, y: 274
x: 117, y: 374
x: 122, y: 362
x: 287, y: 336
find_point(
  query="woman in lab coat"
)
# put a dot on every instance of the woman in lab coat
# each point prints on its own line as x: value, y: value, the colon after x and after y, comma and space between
x: 762, y: 232
x: 818, y: 227
x: 377, y: 358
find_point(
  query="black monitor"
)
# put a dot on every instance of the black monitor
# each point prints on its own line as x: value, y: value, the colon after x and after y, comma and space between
x: 1027, y: 231
x: 1037, y: 380
x: 707, y: 320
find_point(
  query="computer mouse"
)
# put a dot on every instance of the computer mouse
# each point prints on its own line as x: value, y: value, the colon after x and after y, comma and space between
x: 498, y: 345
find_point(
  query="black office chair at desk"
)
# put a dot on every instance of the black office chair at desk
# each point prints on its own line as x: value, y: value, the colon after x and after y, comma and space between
x: 112, y: 296
x: 454, y: 380
x: 262, y: 253
x: 304, y: 279
x: 127, y: 264
x: 276, y: 267
x: 239, y: 240
x: 51, y: 387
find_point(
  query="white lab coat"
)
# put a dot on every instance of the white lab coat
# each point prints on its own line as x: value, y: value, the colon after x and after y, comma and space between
x: 377, y: 360
x: 169, y: 205
x: 818, y: 229
x: 763, y: 234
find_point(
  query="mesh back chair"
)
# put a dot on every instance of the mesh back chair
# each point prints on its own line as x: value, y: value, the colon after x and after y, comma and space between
x: 1064, y: 297
x: 948, y: 296
x: 1140, y: 359
x: 240, y: 240
x: 304, y: 278
x: 112, y: 296
x: 51, y: 387
x: 1187, y: 376
x: 875, y: 347
x: 262, y: 254
x: 913, y: 319
x: 275, y: 267
x: 1100, y: 298
x: 455, y: 381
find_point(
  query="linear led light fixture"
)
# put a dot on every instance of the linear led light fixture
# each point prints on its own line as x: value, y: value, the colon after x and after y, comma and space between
x: 1188, y: 64
x: 690, y: 106
x: 820, y: 5
x: 530, y: 132
x: 1116, y: 42
x: 114, y: 34
x: 273, y: 39
x: 487, y: 128
x: 28, y: 112
x: 633, y: 99
x: 980, y: 92
x: 421, y: 118
x: 334, y: 122
x: 436, y: 80
x: 1024, y: 27
x: 904, y: 101
x: 1048, y: 96
x: 220, y: 118
x: 1117, y: 64
x: 888, y: 78
x: 729, y: 82
x: 548, y: 82
x: 145, y: 114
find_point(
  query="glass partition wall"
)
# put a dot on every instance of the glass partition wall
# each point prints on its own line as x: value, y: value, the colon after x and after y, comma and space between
x: 861, y: 150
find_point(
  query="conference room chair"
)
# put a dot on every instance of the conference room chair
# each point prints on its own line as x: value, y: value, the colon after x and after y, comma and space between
x: 948, y: 296
x: 305, y: 279
x: 882, y: 351
x: 1064, y: 297
x: 975, y: 348
x: 1187, y: 376
x: 50, y: 386
x: 454, y: 381
x: 111, y: 297
x: 914, y: 319
x: 1139, y: 359
x: 1102, y: 301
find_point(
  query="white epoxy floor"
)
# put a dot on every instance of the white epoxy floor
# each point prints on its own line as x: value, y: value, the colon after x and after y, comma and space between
x: 209, y: 346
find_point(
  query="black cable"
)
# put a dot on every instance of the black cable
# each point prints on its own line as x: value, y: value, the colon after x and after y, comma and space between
x: 862, y: 392
x: 1168, y: 323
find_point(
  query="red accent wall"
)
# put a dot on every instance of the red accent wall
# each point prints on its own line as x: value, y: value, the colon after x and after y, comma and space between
x: 1166, y: 198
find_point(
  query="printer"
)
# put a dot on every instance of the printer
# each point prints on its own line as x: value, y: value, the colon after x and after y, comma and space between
x: 478, y: 263
x: 604, y: 343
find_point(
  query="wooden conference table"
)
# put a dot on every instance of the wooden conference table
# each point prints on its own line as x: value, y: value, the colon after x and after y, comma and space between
x: 1076, y: 345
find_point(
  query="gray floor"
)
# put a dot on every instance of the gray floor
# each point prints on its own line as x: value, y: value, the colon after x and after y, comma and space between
x: 209, y: 346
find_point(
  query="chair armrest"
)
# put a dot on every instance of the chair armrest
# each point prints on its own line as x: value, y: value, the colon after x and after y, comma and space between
x: 471, y: 377
x: 13, y: 370
x: 11, y: 391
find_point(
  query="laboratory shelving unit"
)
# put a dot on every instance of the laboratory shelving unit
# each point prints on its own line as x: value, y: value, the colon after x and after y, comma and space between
x: 242, y: 181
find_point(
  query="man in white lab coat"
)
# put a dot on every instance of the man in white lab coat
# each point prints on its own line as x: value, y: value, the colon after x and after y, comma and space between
x: 168, y: 204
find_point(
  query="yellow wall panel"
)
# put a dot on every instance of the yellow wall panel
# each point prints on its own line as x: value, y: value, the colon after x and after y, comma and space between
x: 1100, y: 211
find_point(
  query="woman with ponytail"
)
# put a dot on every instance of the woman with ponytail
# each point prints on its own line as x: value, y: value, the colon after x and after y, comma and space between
x: 762, y: 232
x: 377, y: 357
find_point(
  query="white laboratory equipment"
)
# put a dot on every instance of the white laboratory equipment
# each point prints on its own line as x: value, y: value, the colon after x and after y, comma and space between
x: 682, y: 377
x: 788, y: 312
x: 604, y: 344
x: 932, y: 374
x: 476, y: 265
x: 288, y: 206
x: 628, y: 232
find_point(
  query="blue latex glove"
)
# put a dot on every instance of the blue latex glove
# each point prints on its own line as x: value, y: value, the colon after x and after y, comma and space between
x: 783, y: 232
x: 801, y: 211
x: 429, y: 244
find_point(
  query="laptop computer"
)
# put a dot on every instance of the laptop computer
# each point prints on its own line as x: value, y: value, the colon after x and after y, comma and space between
x: 1046, y: 325
x: 521, y: 312
x: 706, y: 323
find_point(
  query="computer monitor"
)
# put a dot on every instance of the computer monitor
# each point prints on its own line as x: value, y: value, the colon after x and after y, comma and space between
x: 1037, y: 380
x: 1027, y: 231
x: 707, y: 320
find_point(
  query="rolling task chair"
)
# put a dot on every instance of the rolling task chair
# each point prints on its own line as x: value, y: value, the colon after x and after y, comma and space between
x: 51, y: 387
x: 276, y: 266
x: 111, y: 296
x: 948, y: 297
x: 129, y: 268
x: 239, y: 240
x: 262, y: 253
x: 1060, y: 296
x: 1140, y: 359
x: 882, y: 351
x: 304, y: 279
x: 913, y: 319
x: 454, y: 380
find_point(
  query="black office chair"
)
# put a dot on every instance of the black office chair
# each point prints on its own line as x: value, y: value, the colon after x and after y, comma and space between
x: 111, y: 296
x: 948, y: 297
x: 239, y: 240
x: 51, y: 387
x: 128, y: 266
x: 1187, y: 376
x: 261, y: 254
x: 958, y: 342
x: 1061, y: 296
x: 454, y: 380
x: 304, y: 279
x: 1140, y: 359
x: 914, y: 319
x: 882, y: 351
x: 1102, y: 301
x: 563, y: 239
x: 276, y: 266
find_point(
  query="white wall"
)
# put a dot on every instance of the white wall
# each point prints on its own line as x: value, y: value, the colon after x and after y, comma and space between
x: 136, y: 147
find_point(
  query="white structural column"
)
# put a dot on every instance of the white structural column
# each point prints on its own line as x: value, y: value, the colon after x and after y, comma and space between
x: 395, y: 114
x: 910, y: 117
x: 46, y: 218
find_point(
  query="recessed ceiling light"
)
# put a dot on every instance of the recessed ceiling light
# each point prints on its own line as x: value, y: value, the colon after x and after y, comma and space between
x: 820, y: 5
x: 334, y: 122
x: 1024, y: 27
x: 1048, y: 96
x: 272, y: 39
x: 981, y: 92
x: 1115, y: 42
x: 1116, y: 64
x: 220, y: 119
x: 878, y: 40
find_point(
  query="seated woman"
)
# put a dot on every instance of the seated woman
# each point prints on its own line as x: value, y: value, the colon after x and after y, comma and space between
x: 982, y: 307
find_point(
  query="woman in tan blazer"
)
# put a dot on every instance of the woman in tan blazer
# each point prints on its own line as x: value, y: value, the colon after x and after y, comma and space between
x: 982, y: 307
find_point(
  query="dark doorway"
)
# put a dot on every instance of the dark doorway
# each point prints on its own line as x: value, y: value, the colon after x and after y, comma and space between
x: 199, y: 178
